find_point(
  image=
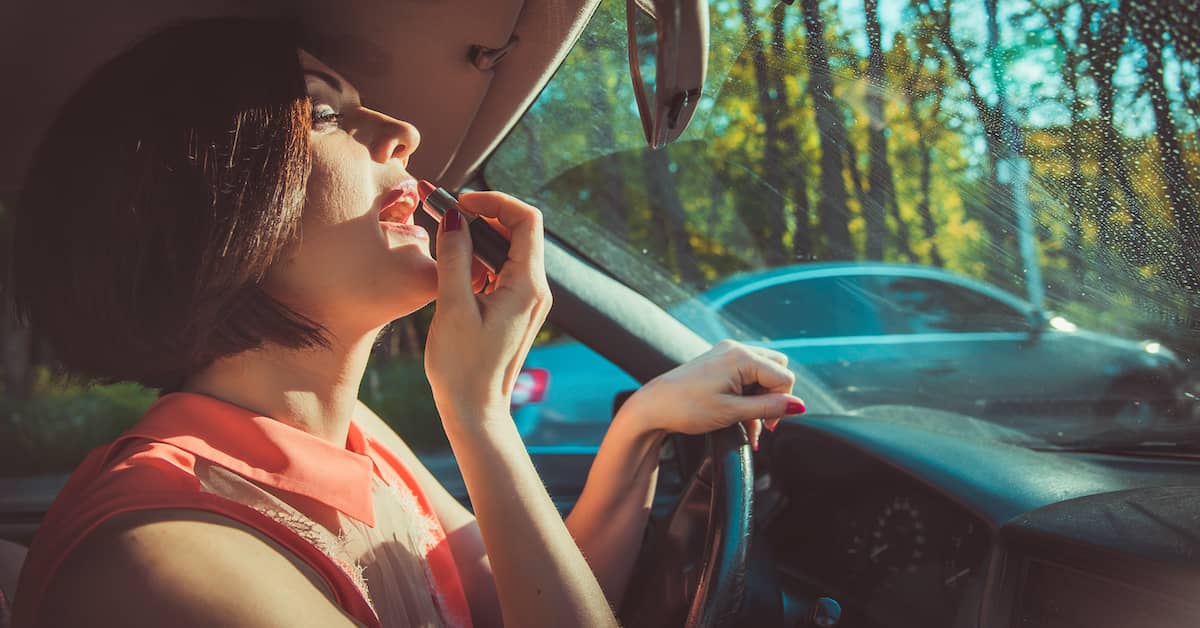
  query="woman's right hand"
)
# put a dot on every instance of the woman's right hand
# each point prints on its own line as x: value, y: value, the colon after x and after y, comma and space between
x: 478, y: 342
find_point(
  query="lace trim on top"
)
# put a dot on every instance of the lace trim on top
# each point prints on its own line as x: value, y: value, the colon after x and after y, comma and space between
x: 387, y: 563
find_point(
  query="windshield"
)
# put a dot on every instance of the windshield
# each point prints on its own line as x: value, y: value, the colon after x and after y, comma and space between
x: 984, y: 207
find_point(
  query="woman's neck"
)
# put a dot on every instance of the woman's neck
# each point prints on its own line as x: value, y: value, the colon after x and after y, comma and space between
x: 315, y: 390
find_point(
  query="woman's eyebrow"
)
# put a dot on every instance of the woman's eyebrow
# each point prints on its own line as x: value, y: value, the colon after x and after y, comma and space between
x: 330, y: 79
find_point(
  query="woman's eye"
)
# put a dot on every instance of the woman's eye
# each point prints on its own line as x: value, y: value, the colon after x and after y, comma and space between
x: 323, y: 117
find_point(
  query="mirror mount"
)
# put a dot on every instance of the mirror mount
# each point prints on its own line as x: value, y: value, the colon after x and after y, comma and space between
x: 680, y: 65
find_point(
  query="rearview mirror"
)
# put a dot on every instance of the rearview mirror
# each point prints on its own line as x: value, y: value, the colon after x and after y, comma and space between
x: 668, y: 60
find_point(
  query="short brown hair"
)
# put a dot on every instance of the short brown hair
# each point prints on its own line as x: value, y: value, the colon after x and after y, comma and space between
x: 167, y: 186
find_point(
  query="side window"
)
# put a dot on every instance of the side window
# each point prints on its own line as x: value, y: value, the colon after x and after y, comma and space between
x: 820, y: 307
x: 918, y: 305
x: 565, y: 393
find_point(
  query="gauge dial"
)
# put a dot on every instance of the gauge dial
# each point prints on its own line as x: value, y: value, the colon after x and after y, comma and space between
x: 897, y: 541
x: 965, y: 549
x: 855, y: 533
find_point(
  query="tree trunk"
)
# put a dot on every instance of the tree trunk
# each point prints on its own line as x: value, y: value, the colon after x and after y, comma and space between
x: 612, y: 182
x: 856, y: 182
x: 879, y: 169
x: 1009, y: 147
x: 798, y: 181
x: 1075, y: 182
x: 1056, y: 20
x: 1104, y: 52
x: 667, y: 206
x: 903, y: 243
x: 536, y: 165
x: 998, y: 217
x: 831, y: 202
x: 771, y: 210
x: 1180, y: 197
x: 17, y: 343
x: 925, y: 175
x: 923, y: 206
x: 926, y: 129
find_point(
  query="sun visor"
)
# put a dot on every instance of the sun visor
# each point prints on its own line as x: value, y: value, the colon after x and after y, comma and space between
x: 545, y: 33
x: 412, y: 60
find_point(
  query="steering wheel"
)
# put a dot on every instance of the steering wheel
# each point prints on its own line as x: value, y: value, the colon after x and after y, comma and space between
x: 695, y: 569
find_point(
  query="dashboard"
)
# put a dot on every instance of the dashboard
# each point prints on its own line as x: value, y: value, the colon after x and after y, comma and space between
x: 904, y: 526
x: 884, y: 547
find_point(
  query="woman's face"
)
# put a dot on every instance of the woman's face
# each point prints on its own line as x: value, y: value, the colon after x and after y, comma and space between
x: 360, y: 262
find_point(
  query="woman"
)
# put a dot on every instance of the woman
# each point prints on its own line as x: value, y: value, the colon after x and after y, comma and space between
x: 215, y: 213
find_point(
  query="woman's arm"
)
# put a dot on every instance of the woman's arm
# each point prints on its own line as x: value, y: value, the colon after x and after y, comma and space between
x: 538, y: 566
x: 606, y: 523
x: 700, y: 396
x: 183, y: 568
x: 609, y: 519
x: 462, y: 531
x: 473, y: 354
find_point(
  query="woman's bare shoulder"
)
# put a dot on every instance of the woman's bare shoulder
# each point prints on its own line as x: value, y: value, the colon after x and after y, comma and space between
x: 185, y: 568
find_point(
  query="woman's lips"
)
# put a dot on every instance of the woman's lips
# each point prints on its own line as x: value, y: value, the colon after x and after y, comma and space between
x: 398, y: 207
x: 406, y: 229
x: 399, y: 204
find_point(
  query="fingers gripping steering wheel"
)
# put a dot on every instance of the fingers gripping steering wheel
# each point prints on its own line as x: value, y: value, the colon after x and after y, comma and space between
x: 694, y: 573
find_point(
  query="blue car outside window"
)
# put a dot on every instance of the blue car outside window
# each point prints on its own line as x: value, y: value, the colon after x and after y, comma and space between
x: 810, y: 308
x: 919, y: 305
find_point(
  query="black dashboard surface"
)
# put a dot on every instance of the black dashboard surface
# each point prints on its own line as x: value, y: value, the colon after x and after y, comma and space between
x: 1122, y: 558
x: 910, y: 526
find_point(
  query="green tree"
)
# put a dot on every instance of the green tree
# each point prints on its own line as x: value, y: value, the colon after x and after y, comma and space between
x: 998, y: 213
x: 882, y: 193
x: 770, y: 212
x: 792, y: 126
x: 923, y: 97
x: 832, y: 209
x: 1150, y: 27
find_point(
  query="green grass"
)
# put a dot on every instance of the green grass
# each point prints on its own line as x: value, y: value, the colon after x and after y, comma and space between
x: 62, y: 421
x: 399, y: 393
x: 54, y: 429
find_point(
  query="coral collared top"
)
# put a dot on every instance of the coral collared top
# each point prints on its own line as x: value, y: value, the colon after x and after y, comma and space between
x: 354, y: 514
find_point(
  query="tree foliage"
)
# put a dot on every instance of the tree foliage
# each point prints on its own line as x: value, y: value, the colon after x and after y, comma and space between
x: 884, y: 131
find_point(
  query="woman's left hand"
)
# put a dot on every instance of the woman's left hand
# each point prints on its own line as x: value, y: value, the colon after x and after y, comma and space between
x: 731, y: 383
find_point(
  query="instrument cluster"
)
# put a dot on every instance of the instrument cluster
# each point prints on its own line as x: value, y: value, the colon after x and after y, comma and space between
x: 892, y: 552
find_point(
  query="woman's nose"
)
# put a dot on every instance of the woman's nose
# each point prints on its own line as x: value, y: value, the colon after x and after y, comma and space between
x: 394, y: 139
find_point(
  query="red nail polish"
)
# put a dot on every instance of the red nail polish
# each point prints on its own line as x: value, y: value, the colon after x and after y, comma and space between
x: 754, y: 445
x: 795, y: 407
x: 452, y: 219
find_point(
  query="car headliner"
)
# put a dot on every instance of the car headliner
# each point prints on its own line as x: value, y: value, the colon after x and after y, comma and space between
x: 409, y: 58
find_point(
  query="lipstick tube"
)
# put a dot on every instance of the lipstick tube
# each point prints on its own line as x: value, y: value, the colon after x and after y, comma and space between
x: 490, y: 248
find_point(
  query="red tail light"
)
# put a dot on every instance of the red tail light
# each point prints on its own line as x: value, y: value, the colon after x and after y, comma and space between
x: 530, y: 387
